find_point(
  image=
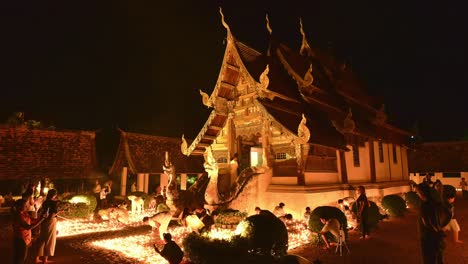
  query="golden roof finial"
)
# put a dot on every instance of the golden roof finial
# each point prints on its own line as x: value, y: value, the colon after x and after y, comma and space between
x: 268, y: 24
x: 223, y: 21
x: 305, y: 45
x: 184, y: 146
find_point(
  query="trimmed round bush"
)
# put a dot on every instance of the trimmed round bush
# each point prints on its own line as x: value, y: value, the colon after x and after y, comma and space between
x: 201, y: 249
x: 394, y: 205
x: 315, y: 225
x: 79, y: 206
x: 265, y: 241
x: 412, y: 199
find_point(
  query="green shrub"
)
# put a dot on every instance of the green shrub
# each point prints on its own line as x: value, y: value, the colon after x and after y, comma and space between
x: 412, y: 200
x: 201, y: 249
x: 265, y: 241
x: 268, y: 234
x: 79, y: 206
x: 373, y: 216
x: 394, y: 205
x: 315, y: 225
x: 230, y: 217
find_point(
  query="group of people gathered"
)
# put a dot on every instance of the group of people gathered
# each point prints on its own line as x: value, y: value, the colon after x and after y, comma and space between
x: 34, y: 226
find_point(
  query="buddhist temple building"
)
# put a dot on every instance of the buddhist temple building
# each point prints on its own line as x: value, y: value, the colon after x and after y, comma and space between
x: 444, y: 161
x: 300, y: 124
x: 140, y: 159
x: 65, y: 157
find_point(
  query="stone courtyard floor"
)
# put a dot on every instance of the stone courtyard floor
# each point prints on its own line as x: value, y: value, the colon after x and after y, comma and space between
x: 395, y: 241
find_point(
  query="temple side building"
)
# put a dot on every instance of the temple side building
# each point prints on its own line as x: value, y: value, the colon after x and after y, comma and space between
x: 65, y: 157
x: 303, y: 125
x: 140, y: 159
x: 444, y: 161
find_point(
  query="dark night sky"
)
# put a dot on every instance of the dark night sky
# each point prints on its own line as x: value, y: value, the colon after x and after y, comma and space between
x: 138, y: 65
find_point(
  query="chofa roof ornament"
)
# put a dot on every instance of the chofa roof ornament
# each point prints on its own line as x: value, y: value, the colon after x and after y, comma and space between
x: 303, y: 131
x: 206, y: 100
x: 225, y: 25
x: 184, y: 146
x: 305, y: 47
x: 264, y: 80
x: 348, y: 123
x: 308, y: 78
x: 381, y: 116
x: 268, y: 24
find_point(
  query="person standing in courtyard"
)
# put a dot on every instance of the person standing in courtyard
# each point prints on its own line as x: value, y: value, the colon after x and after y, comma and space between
x: 464, y: 187
x: 453, y: 224
x: 279, y: 210
x: 97, y: 194
x: 433, y: 217
x: 48, y: 236
x: 362, y: 211
x: 22, y: 235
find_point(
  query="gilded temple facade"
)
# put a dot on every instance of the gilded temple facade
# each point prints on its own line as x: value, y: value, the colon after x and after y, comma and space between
x: 300, y: 122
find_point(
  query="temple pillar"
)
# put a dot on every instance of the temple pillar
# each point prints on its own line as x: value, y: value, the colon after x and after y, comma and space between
x: 302, y: 151
x: 123, y: 181
x: 267, y: 160
x: 183, y: 181
x: 163, y: 180
x: 344, y: 172
x: 140, y: 182
x: 146, y: 182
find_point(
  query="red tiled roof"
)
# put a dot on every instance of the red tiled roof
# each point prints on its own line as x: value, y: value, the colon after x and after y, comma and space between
x: 146, y: 154
x: 38, y: 153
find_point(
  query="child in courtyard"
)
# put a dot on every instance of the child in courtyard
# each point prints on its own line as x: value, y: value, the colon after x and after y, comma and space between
x: 453, y: 224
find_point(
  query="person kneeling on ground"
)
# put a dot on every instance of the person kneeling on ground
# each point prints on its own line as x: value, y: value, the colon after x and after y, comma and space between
x: 171, y: 251
x: 330, y: 225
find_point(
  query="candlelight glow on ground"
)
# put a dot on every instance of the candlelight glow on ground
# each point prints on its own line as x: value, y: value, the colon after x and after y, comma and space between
x: 73, y: 227
x: 140, y: 247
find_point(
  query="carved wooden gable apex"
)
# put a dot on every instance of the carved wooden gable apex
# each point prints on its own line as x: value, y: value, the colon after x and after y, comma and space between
x: 206, y: 100
x: 308, y: 78
x: 348, y: 124
x: 268, y: 24
x: 305, y: 47
x: 303, y: 132
x: 184, y: 146
x: 381, y: 117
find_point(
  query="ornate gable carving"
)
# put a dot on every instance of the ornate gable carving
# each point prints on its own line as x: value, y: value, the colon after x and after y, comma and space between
x: 381, y: 116
x: 206, y: 100
x: 303, y: 132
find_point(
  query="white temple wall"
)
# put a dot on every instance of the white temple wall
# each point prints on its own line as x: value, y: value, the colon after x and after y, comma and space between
x: 395, y: 167
x: 313, y: 178
x: 382, y: 172
x: 361, y: 173
x: 404, y: 163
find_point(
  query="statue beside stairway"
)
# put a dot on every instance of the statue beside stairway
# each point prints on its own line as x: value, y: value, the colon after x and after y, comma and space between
x: 171, y: 193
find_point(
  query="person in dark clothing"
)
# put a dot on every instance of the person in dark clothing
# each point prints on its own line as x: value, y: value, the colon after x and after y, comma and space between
x: 362, y: 211
x: 433, y: 217
x: 171, y: 251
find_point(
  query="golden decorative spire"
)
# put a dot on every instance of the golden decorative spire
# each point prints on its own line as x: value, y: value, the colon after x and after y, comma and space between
x: 206, y: 99
x: 264, y: 80
x: 308, y: 78
x: 268, y: 24
x: 183, y: 146
x: 223, y: 21
x: 305, y: 45
x: 302, y: 131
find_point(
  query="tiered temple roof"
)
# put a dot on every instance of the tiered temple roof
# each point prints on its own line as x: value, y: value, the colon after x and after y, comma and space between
x: 337, y: 109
